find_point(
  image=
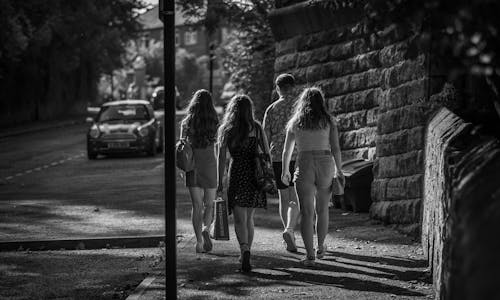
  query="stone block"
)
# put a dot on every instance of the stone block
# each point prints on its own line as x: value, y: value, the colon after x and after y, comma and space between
x: 408, y: 93
x: 409, y: 187
x: 393, y: 54
x: 314, y: 73
x: 285, y: 62
x: 352, y: 121
x: 354, y: 101
x: 405, y: 117
x: 372, y: 117
x: 360, y: 153
x: 361, y: 138
x: 287, y: 46
x: 405, y: 71
x: 367, y: 61
x: 400, y: 165
x: 341, y: 51
x: 396, y: 212
x: 400, y: 141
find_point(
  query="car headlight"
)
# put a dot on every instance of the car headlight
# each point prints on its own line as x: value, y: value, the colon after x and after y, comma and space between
x: 94, y: 132
x: 143, y: 131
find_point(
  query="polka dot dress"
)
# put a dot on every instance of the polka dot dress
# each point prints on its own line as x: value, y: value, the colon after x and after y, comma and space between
x: 242, y: 190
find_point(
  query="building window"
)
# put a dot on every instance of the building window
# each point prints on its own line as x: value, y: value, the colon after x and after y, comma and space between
x: 190, y: 37
x: 177, y: 39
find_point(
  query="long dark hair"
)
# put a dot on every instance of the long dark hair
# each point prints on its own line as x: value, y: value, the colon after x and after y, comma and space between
x: 201, y: 120
x: 238, y: 121
x: 310, y: 111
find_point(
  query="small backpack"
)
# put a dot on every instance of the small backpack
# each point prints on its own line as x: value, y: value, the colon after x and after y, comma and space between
x: 184, y: 155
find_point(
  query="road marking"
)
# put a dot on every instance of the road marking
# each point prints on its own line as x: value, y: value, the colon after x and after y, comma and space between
x: 37, y: 169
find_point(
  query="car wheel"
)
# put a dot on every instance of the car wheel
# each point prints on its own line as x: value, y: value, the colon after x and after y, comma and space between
x: 152, y: 149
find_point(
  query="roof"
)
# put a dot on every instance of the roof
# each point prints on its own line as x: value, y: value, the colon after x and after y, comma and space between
x: 125, y: 102
x: 150, y: 19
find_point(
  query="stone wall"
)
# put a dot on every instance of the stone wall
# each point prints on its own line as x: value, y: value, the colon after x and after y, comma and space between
x: 461, y: 209
x: 376, y: 92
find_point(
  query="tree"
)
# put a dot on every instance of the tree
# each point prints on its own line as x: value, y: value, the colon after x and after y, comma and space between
x: 53, y: 51
x: 249, y: 54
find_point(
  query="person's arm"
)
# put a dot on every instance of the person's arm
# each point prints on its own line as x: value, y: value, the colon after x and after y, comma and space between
x: 221, y: 166
x: 266, y: 124
x: 182, y: 131
x: 265, y: 141
x: 335, y: 146
x: 287, y: 156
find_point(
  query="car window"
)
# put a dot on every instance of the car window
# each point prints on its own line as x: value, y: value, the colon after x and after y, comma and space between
x: 123, y: 112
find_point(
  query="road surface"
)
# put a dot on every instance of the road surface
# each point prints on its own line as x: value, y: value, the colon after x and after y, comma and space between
x: 49, y: 189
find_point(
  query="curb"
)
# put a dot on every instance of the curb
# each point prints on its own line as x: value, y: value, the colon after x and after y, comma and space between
x: 85, y: 244
x: 143, y: 287
x: 21, y: 131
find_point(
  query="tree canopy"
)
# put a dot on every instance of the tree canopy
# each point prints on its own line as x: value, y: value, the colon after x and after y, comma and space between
x: 59, y: 47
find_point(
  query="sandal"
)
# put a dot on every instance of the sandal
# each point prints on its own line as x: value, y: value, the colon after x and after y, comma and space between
x: 320, y: 253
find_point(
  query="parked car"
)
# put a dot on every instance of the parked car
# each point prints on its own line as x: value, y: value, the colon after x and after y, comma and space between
x: 124, y: 126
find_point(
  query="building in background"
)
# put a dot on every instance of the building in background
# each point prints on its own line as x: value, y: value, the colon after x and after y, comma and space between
x: 192, y: 43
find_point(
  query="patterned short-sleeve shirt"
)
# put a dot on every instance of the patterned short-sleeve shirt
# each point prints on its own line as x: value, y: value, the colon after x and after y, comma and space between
x: 275, y: 120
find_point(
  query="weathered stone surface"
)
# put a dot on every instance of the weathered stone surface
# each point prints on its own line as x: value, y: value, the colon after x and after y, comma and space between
x: 286, y: 46
x: 400, y: 141
x: 399, y: 165
x: 406, y: 117
x: 356, y: 153
x: 393, y: 54
x: 285, y: 62
x: 313, y: 57
x: 376, y: 92
x: 396, y: 212
x: 364, y: 137
x: 351, y: 121
x: 411, y: 92
x: 341, y: 51
x: 405, y: 71
x: 353, y: 101
x: 461, y: 209
x: 389, y: 189
x: 353, y: 83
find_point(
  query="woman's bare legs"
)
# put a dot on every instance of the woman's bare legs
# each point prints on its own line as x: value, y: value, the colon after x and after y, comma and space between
x: 322, y: 199
x: 305, y: 193
x: 197, y: 215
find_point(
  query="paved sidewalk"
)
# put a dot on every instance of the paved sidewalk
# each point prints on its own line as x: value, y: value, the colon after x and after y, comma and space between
x: 365, y: 261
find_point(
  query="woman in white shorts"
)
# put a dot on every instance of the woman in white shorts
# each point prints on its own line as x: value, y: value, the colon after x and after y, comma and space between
x: 319, y: 160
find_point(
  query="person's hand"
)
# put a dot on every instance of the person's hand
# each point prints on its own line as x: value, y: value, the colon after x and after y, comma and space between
x: 285, y: 177
x: 341, y: 177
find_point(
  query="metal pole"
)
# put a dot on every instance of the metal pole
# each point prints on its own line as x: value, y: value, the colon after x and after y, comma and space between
x: 167, y: 11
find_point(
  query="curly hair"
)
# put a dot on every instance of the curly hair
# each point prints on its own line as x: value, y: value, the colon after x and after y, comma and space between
x: 238, y: 121
x: 310, y: 111
x: 201, y: 120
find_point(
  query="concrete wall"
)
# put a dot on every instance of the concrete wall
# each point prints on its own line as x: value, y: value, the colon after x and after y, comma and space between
x: 377, y: 92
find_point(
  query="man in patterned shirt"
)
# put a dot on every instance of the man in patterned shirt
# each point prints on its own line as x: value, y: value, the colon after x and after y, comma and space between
x: 275, y: 120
